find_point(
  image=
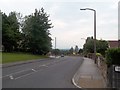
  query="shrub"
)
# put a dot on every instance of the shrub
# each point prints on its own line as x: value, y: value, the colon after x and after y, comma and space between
x: 98, y: 54
x: 113, y: 56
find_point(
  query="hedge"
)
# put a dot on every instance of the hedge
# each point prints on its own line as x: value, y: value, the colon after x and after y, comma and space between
x: 113, y: 56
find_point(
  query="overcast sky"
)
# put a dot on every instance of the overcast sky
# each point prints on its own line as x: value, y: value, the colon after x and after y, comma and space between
x: 71, y: 24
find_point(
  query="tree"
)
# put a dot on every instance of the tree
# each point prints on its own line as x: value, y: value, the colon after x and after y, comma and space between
x: 64, y: 51
x: 101, y: 46
x: 56, y: 51
x: 76, y: 49
x: 71, y: 50
x: 89, y: 45
x: 10, y: 32
x: 36, y: 32
x: 80, y: 51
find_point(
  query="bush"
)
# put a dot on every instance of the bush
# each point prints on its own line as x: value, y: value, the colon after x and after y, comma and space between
x: 98, y: 54
x: 113, y: 56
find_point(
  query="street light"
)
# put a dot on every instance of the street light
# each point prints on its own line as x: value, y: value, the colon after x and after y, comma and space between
x: 94, y: 30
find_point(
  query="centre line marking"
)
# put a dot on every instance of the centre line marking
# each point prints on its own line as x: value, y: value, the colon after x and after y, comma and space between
x: 34, y: 70
x: 14, y: 73
x: 11, y: 77
x: 24, y: 75
x: 43, y: 65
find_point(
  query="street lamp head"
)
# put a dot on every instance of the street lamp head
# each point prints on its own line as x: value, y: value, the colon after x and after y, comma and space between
x: 88, y: 9
x: 82, y: 9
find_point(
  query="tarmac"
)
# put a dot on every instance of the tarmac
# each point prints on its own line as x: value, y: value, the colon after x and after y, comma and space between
x: 23, y: 62
x: 89, y: 76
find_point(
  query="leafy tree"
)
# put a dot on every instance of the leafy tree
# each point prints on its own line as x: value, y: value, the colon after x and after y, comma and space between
x: 101, y: 46
x: 56, y: 51
x: 64, y: 51
x: 36, y: 32
x: 10, y: 32
x: 80, y: 51
x: 89, y: 45
x: 76, y: 49
x: 71, y: 50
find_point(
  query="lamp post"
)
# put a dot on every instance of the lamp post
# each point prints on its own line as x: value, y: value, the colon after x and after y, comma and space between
x: 94, y: 30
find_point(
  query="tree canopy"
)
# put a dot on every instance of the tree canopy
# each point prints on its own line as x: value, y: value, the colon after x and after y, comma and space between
x: 36, y: 32
x: 101, y: 46
x: 30, y: 35
x: 10, y: 32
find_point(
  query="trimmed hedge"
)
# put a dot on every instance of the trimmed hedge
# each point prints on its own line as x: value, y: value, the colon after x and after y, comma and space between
x: 113, y: 56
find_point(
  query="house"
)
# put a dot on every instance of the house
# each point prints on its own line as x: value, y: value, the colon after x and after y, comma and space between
x: 113, y: 43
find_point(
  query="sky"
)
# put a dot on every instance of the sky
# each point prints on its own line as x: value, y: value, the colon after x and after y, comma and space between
x: 71, y: 25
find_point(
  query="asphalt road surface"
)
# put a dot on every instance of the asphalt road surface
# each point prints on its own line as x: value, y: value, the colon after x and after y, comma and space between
x: 48, y: 73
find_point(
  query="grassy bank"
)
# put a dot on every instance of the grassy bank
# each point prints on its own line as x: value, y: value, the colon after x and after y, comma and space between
x: 16, y: 57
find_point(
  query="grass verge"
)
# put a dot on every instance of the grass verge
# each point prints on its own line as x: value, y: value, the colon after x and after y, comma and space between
x: 16, y: 57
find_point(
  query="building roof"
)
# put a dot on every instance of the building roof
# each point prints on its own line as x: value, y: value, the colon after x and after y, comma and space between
x: 113, y: 43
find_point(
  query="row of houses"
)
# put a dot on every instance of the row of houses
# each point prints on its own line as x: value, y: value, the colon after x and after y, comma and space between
x: 114, y: 43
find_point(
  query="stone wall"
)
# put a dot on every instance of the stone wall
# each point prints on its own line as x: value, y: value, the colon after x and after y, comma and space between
x: 102, y: 67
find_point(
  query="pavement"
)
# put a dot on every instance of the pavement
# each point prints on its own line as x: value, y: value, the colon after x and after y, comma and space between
x: 88, y: 76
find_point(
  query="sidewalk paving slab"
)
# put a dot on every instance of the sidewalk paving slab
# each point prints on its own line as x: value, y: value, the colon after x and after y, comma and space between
x: 89, y: 76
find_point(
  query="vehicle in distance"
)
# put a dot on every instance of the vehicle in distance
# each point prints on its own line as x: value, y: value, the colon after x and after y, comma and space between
x: 62, y: 55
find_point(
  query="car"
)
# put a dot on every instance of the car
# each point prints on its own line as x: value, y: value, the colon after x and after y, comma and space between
x: 62, y: 55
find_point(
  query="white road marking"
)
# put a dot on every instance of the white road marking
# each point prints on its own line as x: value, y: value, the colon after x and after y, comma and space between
x: 75, y: 83
x: 44, y: 65
x: 34, y: 70
x: 14, y: 73
x: 11, y: 77
x: 24, y: 75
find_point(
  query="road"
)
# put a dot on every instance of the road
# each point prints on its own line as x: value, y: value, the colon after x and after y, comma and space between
x: 48, y: 73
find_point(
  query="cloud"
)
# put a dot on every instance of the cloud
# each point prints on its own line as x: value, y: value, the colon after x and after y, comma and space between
x: 71, y: 24
x: 53, y: 9
x: 59, y: 24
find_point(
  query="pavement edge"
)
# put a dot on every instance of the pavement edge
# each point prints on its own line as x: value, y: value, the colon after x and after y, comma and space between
x: 74, y: 83
x: 76, y: 77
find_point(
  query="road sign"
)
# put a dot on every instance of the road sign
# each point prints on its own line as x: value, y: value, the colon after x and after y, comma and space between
x: 117, y: 68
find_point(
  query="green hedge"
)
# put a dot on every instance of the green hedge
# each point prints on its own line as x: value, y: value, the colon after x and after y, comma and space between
x: 113, y: 56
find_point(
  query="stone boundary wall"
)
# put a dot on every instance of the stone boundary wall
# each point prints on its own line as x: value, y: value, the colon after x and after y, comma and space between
x: 102, y: 67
